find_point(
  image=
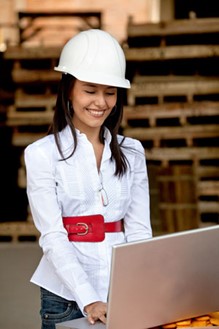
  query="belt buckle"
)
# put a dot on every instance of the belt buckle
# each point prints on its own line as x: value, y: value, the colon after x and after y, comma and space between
x: 86, y: 228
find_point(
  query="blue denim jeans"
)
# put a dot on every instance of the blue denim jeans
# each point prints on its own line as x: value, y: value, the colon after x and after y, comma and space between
x: 55, y: 309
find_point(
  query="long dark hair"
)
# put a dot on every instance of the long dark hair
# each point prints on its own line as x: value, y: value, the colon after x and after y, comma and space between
x: 63, y: 117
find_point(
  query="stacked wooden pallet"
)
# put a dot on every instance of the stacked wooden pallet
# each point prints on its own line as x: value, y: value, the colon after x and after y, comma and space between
x: 18, y: 232
x: 173, y: 108
x: 33, y: 62
x: 35, y: 84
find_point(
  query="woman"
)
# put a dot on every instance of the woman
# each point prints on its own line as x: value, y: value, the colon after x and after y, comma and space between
x: 87, y: 186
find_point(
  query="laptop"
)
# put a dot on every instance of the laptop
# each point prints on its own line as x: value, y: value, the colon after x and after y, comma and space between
x: 161, y: 280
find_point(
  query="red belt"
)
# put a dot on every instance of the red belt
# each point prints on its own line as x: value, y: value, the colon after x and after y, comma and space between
x: 90, y: 228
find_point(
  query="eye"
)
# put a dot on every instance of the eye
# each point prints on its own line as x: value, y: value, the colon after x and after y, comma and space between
x: 89, y: 91
x: 111, y: 93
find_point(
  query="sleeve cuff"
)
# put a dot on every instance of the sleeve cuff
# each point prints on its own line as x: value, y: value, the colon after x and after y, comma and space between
x: 85, y: 294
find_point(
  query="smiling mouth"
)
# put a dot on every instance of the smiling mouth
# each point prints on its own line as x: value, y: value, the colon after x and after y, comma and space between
x: 96, y: 113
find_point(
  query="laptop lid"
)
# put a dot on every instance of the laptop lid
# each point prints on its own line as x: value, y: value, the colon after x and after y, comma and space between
x: 162, y: 280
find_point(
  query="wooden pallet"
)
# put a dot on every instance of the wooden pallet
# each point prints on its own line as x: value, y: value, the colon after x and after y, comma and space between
x: 135, y: 54
x: 31, y: 109
x: 208, y: 207
x: 30, y: 117
x: 33, y: 67
x: 200, y: 26
x: 167, y: 155
x: 208, y: 198
x: 18, y: 231
x: 163, y: 86
x: 36, y: 61
x: 20, y: 75
x: 18, y: 53
x: 182, y: 191
x: 207, y: 182
x: 23, y: 99
x: 33, y: 118
x: 202, y: 162
x: 22, y: 139
x: 210, y: 188
x: 182, y: 111
x: 28, y: 27
x: 208, y: 172
x: 178, y: 204
x: 188, y: 135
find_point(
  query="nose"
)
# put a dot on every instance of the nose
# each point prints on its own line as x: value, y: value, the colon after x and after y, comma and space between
x: 100, y: 100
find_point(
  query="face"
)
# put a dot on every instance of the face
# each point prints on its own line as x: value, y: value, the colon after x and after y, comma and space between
x: 92, y: 104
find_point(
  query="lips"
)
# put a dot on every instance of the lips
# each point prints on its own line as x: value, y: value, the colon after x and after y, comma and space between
x: 96, y: 113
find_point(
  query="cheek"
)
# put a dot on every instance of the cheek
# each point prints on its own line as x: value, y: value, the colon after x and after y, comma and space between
x: 113, y: 102
x: 77, y: 99
x: 77, y: 104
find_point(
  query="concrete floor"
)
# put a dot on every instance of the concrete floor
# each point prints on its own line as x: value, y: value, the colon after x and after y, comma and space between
x: 20, y: 300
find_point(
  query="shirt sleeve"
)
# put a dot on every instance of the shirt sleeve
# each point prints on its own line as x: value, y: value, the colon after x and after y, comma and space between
x: 41, y: 191
x: 137, y: 219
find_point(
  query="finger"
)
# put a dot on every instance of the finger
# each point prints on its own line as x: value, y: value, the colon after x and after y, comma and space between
x: 103, y: 318
x: 90, y: 319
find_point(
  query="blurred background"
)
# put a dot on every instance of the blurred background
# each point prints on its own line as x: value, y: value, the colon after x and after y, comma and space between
x: 172, y: 52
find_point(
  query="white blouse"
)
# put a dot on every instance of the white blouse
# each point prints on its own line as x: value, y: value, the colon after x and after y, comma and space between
x: 80, y: 271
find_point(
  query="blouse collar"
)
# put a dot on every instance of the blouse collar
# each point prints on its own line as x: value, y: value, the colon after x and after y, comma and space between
x: 67, y: 142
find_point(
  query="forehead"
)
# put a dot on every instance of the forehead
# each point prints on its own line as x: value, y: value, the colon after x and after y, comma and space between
x: 93, y: 85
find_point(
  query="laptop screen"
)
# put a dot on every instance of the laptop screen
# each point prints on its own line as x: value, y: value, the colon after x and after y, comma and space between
x: 164, y: 279
x: 161, y: 280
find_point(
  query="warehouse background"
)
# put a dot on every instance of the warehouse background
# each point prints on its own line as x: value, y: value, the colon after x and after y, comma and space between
x: 172, y: 51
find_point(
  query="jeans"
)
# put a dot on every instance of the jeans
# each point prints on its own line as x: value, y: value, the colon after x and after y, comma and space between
x: 55, y: 309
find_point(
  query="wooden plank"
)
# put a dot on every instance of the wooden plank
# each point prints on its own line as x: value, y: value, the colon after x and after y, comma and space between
x: 24, y: 139
x: 26, y: 20
x: 208, y: 207
x: 183, y: 111
x: 24, y: 76
x: 207, y: 172
x: 29, y: 119
x: 34, y: 52
x: 139, y: 79
x: 171, y: 52
x: 208, y: 188
x: 174, y: 27
x: 178, y: 206
x: 187, y: 133
x: 31, y: 110
x: 161, y: 86
x: 15, y: 230
x: 166, y: 154
x: 23, y: 100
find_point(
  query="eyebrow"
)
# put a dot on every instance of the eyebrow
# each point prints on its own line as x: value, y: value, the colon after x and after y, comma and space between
x: 95, y: 86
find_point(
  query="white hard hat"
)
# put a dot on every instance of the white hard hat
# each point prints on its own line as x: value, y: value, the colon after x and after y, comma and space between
x: 94, y: 56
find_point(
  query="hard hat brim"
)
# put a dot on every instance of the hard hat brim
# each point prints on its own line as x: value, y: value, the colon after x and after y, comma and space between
x: 95, y: 77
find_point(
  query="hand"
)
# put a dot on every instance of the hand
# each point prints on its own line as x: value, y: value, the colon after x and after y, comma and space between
x: 96, y: 311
